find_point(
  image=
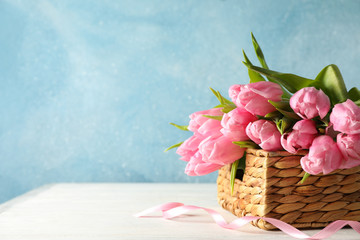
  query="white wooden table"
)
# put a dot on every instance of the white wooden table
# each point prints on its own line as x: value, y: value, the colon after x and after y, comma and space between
x: 105, y: 211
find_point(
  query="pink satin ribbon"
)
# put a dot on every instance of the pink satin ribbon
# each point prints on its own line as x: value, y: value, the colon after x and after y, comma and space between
x: 174, y: 209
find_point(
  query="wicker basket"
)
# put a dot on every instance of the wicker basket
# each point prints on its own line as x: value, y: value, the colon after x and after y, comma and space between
x: 271, y: 188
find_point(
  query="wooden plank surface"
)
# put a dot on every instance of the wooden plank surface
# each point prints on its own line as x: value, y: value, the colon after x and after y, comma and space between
x: 105, y: 211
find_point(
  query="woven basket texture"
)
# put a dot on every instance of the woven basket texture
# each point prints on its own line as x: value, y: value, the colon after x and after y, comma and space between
x: 271, y: 188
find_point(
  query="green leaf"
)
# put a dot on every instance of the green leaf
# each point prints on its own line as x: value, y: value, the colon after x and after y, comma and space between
x: 238, y: 164
x: 306, y: 175
x: 289, y: 114
x: 184, y: 128
x: 259, y: 52
x: 284, y: 124
x: 216, y: 93
x: 234, y: 167
x: 263, y: 63
x: 273, y: 115
x: 332, y: 83
x: 357, y: 102
x: 247, y: 60
x: 213, y: 117
x: 254, y: 76
x: 226, y: 107
x: 284, y: 108
x: 225, y: 104
x: 324, y: 123
x: 291, y: 82
x: 173, y: 146
x: 354, y: 94
x: 285, y: 105
x: 222, y: 100
x: 242, y: 163
x: 246, y: 144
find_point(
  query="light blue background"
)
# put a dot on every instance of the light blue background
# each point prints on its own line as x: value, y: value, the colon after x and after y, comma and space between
x: 87, y: 88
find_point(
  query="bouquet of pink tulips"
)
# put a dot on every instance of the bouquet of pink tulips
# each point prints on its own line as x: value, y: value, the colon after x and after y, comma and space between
x: 276, y: 112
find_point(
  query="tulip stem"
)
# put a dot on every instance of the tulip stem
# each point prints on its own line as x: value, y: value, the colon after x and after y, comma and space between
x: 306, y: 175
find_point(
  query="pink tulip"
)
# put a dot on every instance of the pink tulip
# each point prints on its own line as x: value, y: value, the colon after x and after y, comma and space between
x: 324, y: 156
x: 234, y: 124
x: 220, y: 150
x: 197, y: 167
x: 265, y: 134
x: 345, y: 117
x: 234, y: 91
x: 189, y: 147
x: 301, y: 137
x: 254, y: 97
x: 205, y: 126
x: 349, y: 146
x: 310, y: 102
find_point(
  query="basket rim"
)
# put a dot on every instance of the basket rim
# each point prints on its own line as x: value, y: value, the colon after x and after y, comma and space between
x: 283, y: 153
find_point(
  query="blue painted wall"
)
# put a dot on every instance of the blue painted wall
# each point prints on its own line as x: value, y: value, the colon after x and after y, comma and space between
x: 87, y: 88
